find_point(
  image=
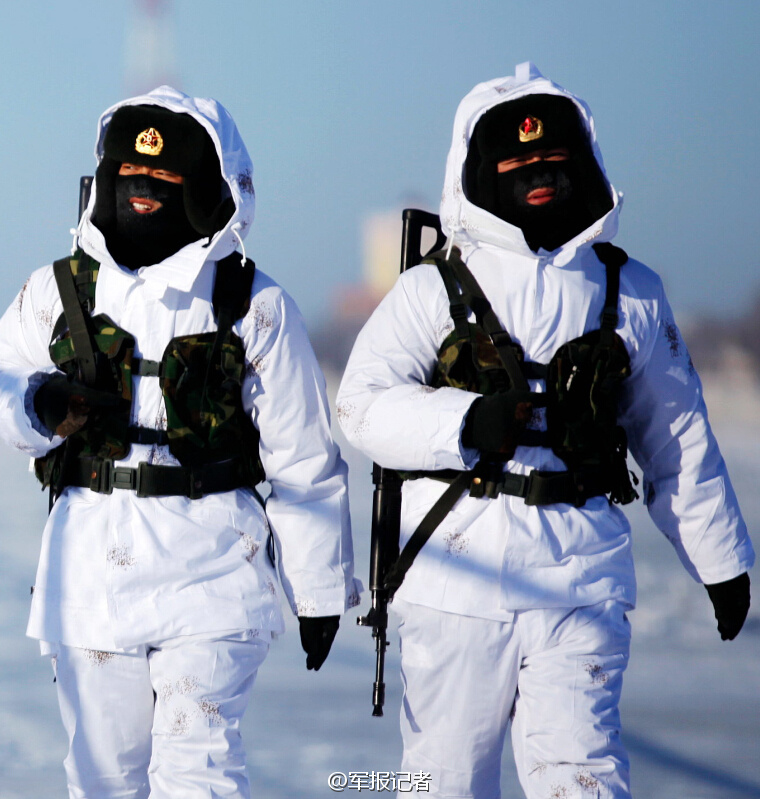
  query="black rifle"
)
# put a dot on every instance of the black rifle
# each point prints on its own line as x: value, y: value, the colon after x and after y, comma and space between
x: 85, y: 187
x: 386, y: 500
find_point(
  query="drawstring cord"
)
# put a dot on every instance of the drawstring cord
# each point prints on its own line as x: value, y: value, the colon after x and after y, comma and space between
x: 454, y: 227
x: 242, y: 246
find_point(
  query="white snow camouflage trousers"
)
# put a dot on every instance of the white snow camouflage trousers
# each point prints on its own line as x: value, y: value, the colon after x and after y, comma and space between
x: 159, y: 721
x: 557, y: 673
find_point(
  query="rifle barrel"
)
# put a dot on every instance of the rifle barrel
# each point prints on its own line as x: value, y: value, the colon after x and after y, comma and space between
x: 386, y: 500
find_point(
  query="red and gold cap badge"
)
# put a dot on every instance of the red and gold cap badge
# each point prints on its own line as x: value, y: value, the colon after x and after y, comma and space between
x: 149, y: 142
x: 531, y: 128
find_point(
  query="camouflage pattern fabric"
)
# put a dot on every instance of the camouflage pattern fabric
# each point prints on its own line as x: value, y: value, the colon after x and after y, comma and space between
x: 472, y: 363
x: 205, y: 418
x: 583, y: 384
x: 105, y: 435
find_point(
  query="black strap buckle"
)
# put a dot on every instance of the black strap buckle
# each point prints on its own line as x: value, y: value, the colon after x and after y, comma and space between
x: 458, y: 313
x: 486, y: 480
x: 477, y: 487
x: 517, y: 485
x: 501, y: 338
x: 539, y: 489
x: 124, y: 477
x: 105, y: 477
x: 548, y: 488
x: 100, y: 477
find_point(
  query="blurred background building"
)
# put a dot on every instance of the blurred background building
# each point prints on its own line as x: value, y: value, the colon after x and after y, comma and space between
x: 346, y: 109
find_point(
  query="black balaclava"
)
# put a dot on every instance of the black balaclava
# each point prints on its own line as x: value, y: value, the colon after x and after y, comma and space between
x: 148, y: 135
x: 519, y: 127
x: 139, y: 239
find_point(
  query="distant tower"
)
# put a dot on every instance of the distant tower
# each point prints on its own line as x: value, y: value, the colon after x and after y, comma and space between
x: 381, y: 239
x: 381, y: 234
x: 149, y: 47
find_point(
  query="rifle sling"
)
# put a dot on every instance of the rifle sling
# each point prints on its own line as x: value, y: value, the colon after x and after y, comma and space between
x: 426, y: 528
x: 488, y: 320
x: 537, y: 488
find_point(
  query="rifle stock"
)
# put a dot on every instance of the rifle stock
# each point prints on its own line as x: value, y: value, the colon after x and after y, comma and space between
x: 386, y: 499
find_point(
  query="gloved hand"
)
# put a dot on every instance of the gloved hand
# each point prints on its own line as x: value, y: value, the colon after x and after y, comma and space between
x: 63, y: 405
x: 317, y: 635
x: 495, y: 421
x: 731, y: 602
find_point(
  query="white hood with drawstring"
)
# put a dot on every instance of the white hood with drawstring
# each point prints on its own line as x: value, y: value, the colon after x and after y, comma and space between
x: 117, y: 570
x: 490, y: 557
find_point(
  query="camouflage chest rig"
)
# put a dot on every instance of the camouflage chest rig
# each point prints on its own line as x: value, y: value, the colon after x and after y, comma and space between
x: 201, y: 376
x: 583, y: 381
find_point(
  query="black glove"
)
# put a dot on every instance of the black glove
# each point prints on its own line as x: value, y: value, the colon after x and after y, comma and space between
x: 62, y: 405
x: 495, y: 421
x: 317, y: 635
x: 731, y: 602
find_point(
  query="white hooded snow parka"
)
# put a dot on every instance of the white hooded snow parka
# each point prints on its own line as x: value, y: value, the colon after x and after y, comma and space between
x: 490, y: 557
x: 120, y: 570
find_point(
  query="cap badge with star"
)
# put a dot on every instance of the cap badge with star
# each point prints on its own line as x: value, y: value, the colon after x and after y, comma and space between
x: 531, y: 128
x: 149, y: 142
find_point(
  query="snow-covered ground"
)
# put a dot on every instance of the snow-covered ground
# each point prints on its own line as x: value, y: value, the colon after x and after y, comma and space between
x: 691, y: 708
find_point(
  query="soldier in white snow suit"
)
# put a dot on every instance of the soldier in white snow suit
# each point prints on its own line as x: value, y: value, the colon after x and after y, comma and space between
x: 157, y: 377
x: 506, y: 378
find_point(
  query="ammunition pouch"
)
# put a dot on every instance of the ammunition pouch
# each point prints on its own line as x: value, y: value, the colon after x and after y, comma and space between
x: 583, y: 383
x: 201, y: 379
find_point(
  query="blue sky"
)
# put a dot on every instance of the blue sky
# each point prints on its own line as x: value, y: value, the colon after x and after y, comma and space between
x: 347, y: 105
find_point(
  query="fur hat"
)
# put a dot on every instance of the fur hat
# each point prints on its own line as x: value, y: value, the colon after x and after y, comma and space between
x: 518, y: 127
x: 148, y: 135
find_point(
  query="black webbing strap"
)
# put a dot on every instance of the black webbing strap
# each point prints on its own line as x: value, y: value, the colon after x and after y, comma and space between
x: 550, y: 488
x: 537, y: 488
x: 535, y: 371
x: 147, y: 435
x: 528, y: 437
x: 231, y: 299
x: 79, y: 328
x: 426, y: 528
x: 613, y: 259
x: 154, y: 480
x: 457, y: 304
x: 232, y: 288
x: 454, y: 269
x: 489, y: 321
